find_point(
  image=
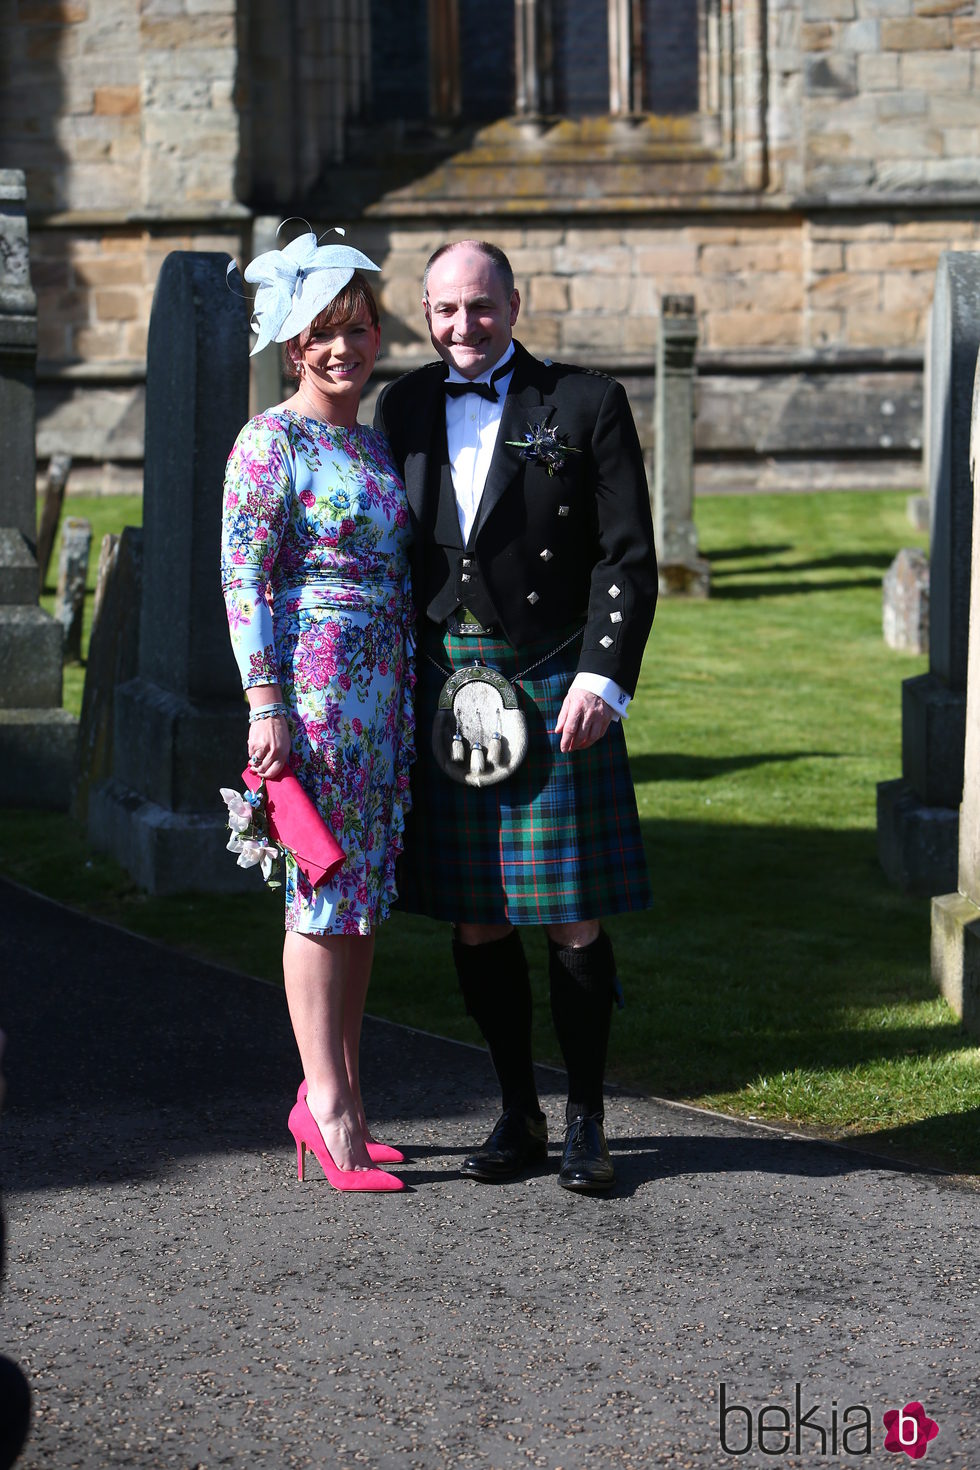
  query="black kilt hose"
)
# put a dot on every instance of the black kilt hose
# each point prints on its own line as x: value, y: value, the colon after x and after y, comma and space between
x: 558, y: 841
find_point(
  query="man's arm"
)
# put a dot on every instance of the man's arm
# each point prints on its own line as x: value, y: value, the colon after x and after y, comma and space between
x: 623, y: 583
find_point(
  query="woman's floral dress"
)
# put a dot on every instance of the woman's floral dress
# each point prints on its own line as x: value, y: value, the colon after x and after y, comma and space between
x: 314, y: 569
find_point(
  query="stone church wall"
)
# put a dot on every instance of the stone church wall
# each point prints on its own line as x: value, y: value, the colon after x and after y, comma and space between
x: 853, y: 161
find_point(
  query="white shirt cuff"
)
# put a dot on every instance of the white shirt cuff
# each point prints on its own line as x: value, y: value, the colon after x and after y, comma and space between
x: 607, y: 689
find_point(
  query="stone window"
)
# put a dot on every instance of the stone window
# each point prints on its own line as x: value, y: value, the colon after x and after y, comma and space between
x: 440, y: 60
x: 551, y: 100
x: 626, y: 57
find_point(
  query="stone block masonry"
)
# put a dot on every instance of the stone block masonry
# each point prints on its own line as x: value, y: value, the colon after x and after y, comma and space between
x: 806, y: 213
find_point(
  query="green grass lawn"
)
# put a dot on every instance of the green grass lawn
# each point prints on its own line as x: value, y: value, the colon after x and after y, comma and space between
x: 778, y: 976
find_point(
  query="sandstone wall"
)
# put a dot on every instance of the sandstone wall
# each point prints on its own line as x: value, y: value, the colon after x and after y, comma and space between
x: 848, y: 161
x: 873, y: 95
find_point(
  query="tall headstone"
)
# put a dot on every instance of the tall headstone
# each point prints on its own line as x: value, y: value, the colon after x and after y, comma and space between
x: 180, y: 726
x: 37, y: 736
x: 266, y: 367
x: 69, y: 602
x: 682, y: 571
x: 956, y: 916
x: 905, y: 602
x: 113, y: 659
x: 918, y: 814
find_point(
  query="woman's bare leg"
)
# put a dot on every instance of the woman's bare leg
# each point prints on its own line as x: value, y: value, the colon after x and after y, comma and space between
x: 356, y: 997
x: 323, y: 977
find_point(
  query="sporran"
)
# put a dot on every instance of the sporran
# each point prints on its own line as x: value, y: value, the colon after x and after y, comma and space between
x: 479, y: 734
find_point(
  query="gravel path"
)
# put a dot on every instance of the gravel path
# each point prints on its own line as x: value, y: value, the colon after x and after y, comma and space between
x: 180, y: 1301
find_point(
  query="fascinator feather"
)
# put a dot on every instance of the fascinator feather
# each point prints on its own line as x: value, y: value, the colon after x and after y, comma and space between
x: 295, y: 284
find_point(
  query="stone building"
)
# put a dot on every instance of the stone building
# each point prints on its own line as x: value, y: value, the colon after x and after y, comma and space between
x: 796, y: 165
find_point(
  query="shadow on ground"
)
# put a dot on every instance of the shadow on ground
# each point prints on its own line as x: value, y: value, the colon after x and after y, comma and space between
x: 124, y: 1057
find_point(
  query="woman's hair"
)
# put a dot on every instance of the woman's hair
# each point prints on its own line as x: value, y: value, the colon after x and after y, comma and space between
x: 345, y: 307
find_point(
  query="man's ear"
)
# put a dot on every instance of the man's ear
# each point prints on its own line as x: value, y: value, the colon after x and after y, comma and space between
x: 515, y: 306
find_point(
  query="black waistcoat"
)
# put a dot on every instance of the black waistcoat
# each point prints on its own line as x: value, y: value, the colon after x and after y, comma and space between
x: 450, y: 572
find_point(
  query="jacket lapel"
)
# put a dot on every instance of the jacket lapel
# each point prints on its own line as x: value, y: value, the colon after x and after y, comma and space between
x: 522, y: 405
x: 429, y: 411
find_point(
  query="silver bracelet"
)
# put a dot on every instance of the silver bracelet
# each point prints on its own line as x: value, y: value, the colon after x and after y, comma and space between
x: 266, y: 712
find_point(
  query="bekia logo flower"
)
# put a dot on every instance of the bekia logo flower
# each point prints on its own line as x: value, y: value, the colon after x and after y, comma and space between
x: 909, y: 1429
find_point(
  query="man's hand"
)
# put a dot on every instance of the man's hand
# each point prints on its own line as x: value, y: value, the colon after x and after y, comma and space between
x: 583, y: 719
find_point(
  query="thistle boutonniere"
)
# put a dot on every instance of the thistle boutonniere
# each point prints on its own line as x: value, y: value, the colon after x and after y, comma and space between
x: 544, y: 446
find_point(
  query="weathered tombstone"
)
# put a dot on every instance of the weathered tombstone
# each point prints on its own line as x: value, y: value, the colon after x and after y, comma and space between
x: 54, y: 495
x: 917, y: 511
x: 918, y: 814
x: 180, y: 725
x: 956, y: 916
x: 905, y: 602
x: 266, y: 367
x: 69, y: 602
x: 36, y: 735
x: 682, y: 571
x: 113, y: 659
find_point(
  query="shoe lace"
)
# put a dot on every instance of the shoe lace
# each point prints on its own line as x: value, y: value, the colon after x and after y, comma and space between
x: 576, y: 1130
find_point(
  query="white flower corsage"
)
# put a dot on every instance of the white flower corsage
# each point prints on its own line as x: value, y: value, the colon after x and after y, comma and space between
x: 248, y: 824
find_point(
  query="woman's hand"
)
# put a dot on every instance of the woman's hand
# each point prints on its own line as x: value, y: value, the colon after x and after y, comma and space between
x: 268, y: 746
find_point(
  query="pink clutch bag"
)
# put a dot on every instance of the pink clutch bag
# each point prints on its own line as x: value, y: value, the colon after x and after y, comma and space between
x: 294, y: 822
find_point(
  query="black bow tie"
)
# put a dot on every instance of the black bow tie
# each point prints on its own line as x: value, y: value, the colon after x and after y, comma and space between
x: 484, y: 390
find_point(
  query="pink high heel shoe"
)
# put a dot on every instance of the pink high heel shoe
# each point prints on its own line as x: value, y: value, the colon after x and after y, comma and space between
x: 303, y: 1127
x: 379, y: 1153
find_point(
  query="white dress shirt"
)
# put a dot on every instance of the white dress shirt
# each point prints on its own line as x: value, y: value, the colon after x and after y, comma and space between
x: 472, y: 427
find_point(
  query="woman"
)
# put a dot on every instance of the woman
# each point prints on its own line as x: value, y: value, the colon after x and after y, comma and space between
x: 315, y: 522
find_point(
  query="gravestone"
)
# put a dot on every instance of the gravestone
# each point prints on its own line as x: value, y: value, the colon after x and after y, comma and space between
x: 54, y: 497
x: 265, y: 366
x: 36, y: 735
x: 69, y: 602
x: 113, y: 659
x: 905, y: 602
x: 682, y: 572
x: 918, y: 814
x: 956, y: 916
x: 180, y: 725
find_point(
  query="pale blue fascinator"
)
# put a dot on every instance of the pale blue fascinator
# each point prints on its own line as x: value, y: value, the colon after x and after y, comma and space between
x: 295, y: 284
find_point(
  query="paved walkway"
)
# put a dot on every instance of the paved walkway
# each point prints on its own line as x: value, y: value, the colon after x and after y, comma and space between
x: 179, y: 1300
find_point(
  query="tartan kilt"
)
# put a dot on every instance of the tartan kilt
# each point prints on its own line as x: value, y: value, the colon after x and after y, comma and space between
x: 558, y: 841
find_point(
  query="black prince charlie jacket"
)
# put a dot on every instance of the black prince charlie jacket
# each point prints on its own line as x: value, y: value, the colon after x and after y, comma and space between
x: 544, y: 551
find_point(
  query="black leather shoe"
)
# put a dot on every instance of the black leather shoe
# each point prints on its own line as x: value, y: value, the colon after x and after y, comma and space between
x: 586, y: 1165
x: 517, y: 1143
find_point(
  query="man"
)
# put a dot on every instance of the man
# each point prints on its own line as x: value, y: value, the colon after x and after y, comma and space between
x: 533, y: 555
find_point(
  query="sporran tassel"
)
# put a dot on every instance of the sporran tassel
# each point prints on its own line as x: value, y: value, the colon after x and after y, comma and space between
x: 477, y: 763
x: 459, y: 749
x: 494, y: 749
